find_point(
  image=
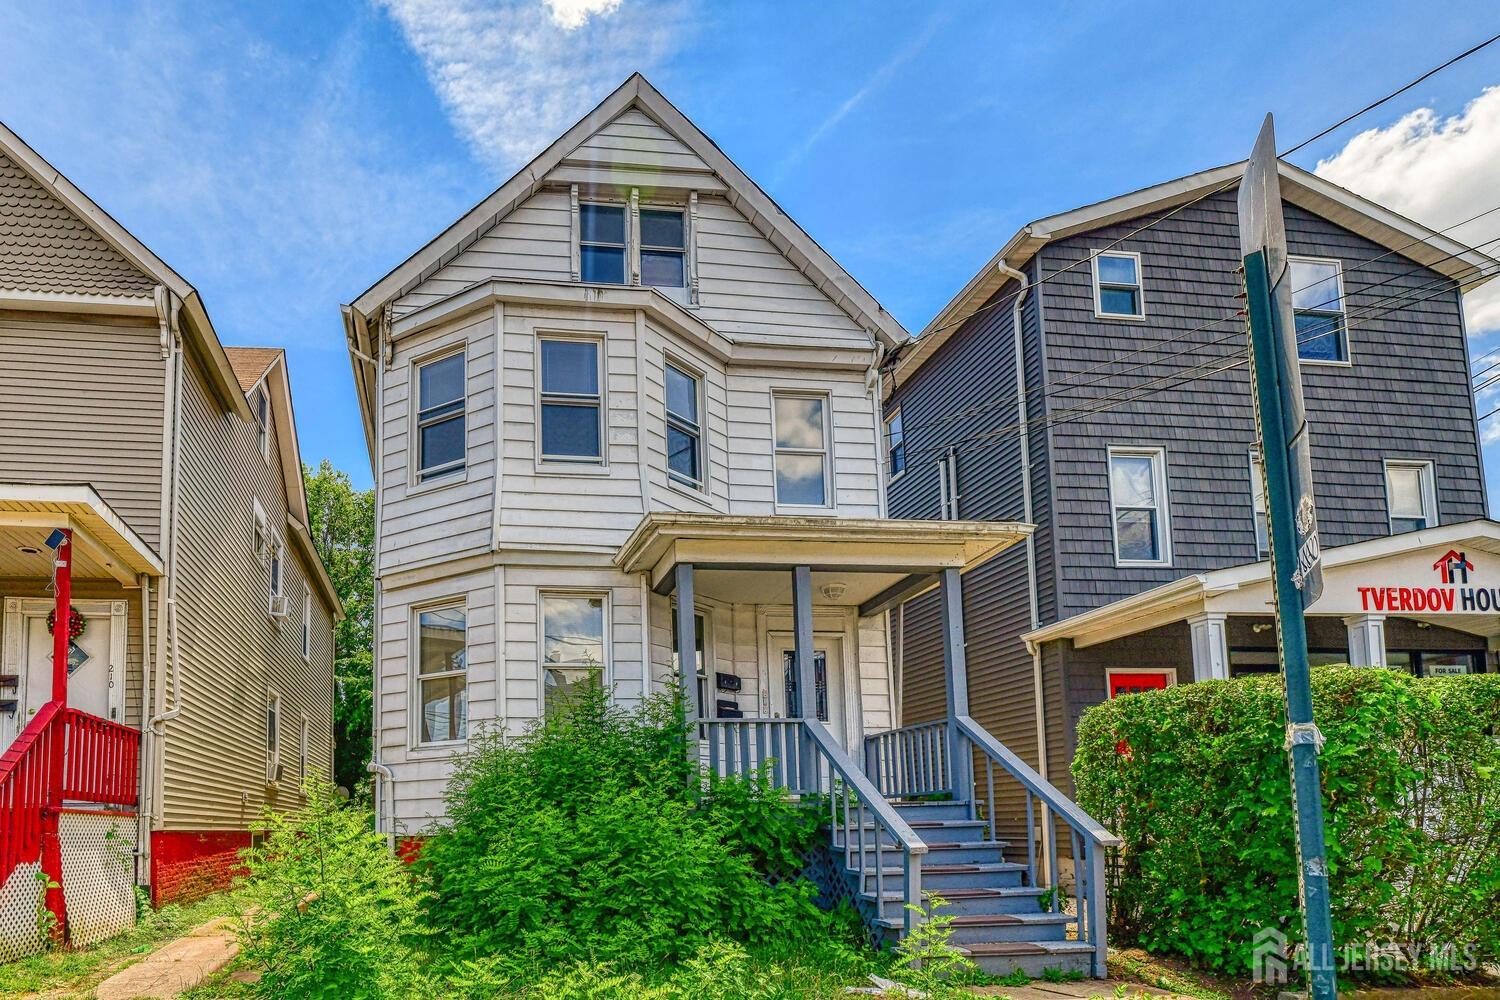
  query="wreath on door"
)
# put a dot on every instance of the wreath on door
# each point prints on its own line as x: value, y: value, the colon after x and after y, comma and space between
x: 77, y: 624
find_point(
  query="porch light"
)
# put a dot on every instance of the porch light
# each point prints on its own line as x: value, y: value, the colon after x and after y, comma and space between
x: 833, y: 591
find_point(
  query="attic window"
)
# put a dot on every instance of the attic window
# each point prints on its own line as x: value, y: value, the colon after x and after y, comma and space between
x: 263, y: 423
x: 601, y: 243
x: 663, y: 248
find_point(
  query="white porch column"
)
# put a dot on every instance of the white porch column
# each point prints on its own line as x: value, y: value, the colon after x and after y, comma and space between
x: 1210, y: 646
x: 1366, y: 640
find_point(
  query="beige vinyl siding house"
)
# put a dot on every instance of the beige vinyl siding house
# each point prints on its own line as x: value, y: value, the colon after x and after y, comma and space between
x: 124, y: 420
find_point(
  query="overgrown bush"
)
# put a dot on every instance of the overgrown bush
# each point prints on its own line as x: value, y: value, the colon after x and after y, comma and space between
x: 1195, y: 780
x: 332, y: 914
x: 589, y: 839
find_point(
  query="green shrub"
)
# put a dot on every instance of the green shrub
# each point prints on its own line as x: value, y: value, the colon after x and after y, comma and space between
x: 331, y: 912
x: 587, y: 839
x: 1195, y: 780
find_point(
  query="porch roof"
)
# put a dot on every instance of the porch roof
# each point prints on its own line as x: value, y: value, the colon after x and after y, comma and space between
x: 903, y: 556
x: 105, y: 547
x: 1356, y: 579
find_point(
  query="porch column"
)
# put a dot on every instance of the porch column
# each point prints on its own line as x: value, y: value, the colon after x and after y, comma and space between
x: 687, y: 646
x: 956, y: 669
x: 1210, y: 647
x: 61, y: 541
x: 807, y: 680
x: 1366, y: 640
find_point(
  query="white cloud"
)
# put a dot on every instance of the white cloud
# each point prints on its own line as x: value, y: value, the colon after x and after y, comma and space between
x: 1439, y: 171
x: 572, y: 14
x: 514, y: 74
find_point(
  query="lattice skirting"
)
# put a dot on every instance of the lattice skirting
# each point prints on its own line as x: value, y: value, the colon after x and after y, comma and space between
x: 98, y: 852
x: 20, y: 901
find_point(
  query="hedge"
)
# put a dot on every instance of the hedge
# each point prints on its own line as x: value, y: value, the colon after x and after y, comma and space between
x: 1195, y: 781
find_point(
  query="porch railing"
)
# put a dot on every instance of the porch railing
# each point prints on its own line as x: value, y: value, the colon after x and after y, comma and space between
x: 895, y: 756
x: 911, y: 762
x: 100, y: 765
x: 804, y: 758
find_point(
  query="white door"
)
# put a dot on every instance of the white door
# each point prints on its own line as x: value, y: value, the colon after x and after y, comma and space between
x: 93, y: 673
x: 828, y: 671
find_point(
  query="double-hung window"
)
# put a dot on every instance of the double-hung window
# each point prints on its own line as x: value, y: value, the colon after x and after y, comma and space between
x: 706, y: 700
x: 262, y: 408
x: 1258, y: 505
x: 276, y: 604
x: 801, y: 450
x: 1117, y: 285
x: 440, y: 417
x: 663, y: 248
x: 442, y: 673
x: 259, y: 538
x: 1318, y: 307
x: 572, y: 647
x: 601, y: 243
x: 572, y: 404
x: 1138, y: 498
x: 273, y: 736
x: 1411, y: 496
x: 684, y: 426
x: 895, y: 445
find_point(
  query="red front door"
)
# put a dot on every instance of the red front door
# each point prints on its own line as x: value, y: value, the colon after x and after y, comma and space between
x: 1136, y: 681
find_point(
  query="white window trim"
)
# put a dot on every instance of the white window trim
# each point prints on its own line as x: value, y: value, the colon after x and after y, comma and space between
x: 607, y: 671
x: 573, y: 466
x: 830, y: 494
x: 892, y: 475
x: 415, y: 675
x: 1109, y: 673
x: 1428, y: 476
x: 1338, y: 266
x: 260, y: 532
x: 273, y: 735
x: 1140, y: 285
x: 699, y: 489
x: 306, y: 622
x: 706, y: 711
x: 262, y: 429
x: 674, y: 292
x: 1257, y: 478
x: 275, y: 571
x: 1163, y: 502
x: 460, y: 473
x: 627, y: 264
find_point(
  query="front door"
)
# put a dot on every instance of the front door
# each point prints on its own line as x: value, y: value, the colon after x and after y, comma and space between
x: 93, y: 674
x: 828, y: 670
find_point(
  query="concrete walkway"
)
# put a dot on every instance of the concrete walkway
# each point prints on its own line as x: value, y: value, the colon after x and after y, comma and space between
x: 1087, y: 988
x: 177, y: 967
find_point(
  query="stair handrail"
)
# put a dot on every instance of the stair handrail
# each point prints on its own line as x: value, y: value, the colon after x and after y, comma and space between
x: 25, y: 776
x: 1089, y: 838
x: 868, y: 797
x: 102, y: 763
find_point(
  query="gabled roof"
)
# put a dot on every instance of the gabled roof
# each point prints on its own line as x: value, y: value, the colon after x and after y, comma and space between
x: 747, y: 197
x: 250, y: 364
x: 68, y: 242
x: 1448, y: 257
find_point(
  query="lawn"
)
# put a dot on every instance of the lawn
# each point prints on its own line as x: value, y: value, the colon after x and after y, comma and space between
x: 71, y: 973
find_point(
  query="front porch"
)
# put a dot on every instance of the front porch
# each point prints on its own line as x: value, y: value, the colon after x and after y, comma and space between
x: 71, y: 711
x: 909, y: 809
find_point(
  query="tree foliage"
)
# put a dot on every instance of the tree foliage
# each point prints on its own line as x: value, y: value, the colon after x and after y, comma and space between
x: 1195, y: 780
x: 342, y: 523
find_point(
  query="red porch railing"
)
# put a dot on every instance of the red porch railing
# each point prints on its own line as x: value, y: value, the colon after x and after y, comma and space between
x: 101, y: 764
x: 103, y: 759
x: 25, y: 780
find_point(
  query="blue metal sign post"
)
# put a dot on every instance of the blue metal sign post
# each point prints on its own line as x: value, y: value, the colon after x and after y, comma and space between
x: 1296, y: 560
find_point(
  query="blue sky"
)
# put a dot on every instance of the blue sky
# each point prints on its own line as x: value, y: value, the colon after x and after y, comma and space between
x: 283, y: 157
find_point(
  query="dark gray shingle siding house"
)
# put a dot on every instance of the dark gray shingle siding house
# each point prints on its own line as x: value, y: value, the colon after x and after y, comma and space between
x: 1402, y: 395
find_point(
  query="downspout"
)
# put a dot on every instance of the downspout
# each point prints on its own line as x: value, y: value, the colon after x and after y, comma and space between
x: 167, y: 597
x: 143, y: 791
x: 874, y: 389
x: 388, y: 786
x: 1028, y: 514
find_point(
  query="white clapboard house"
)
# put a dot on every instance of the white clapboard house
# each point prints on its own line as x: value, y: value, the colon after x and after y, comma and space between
x: 625, y: 414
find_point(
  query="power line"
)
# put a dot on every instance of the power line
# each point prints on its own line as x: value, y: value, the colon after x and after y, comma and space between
x: 1234, y: 180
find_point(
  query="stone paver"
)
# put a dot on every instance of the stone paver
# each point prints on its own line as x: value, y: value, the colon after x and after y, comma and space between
x: 176, y: 967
